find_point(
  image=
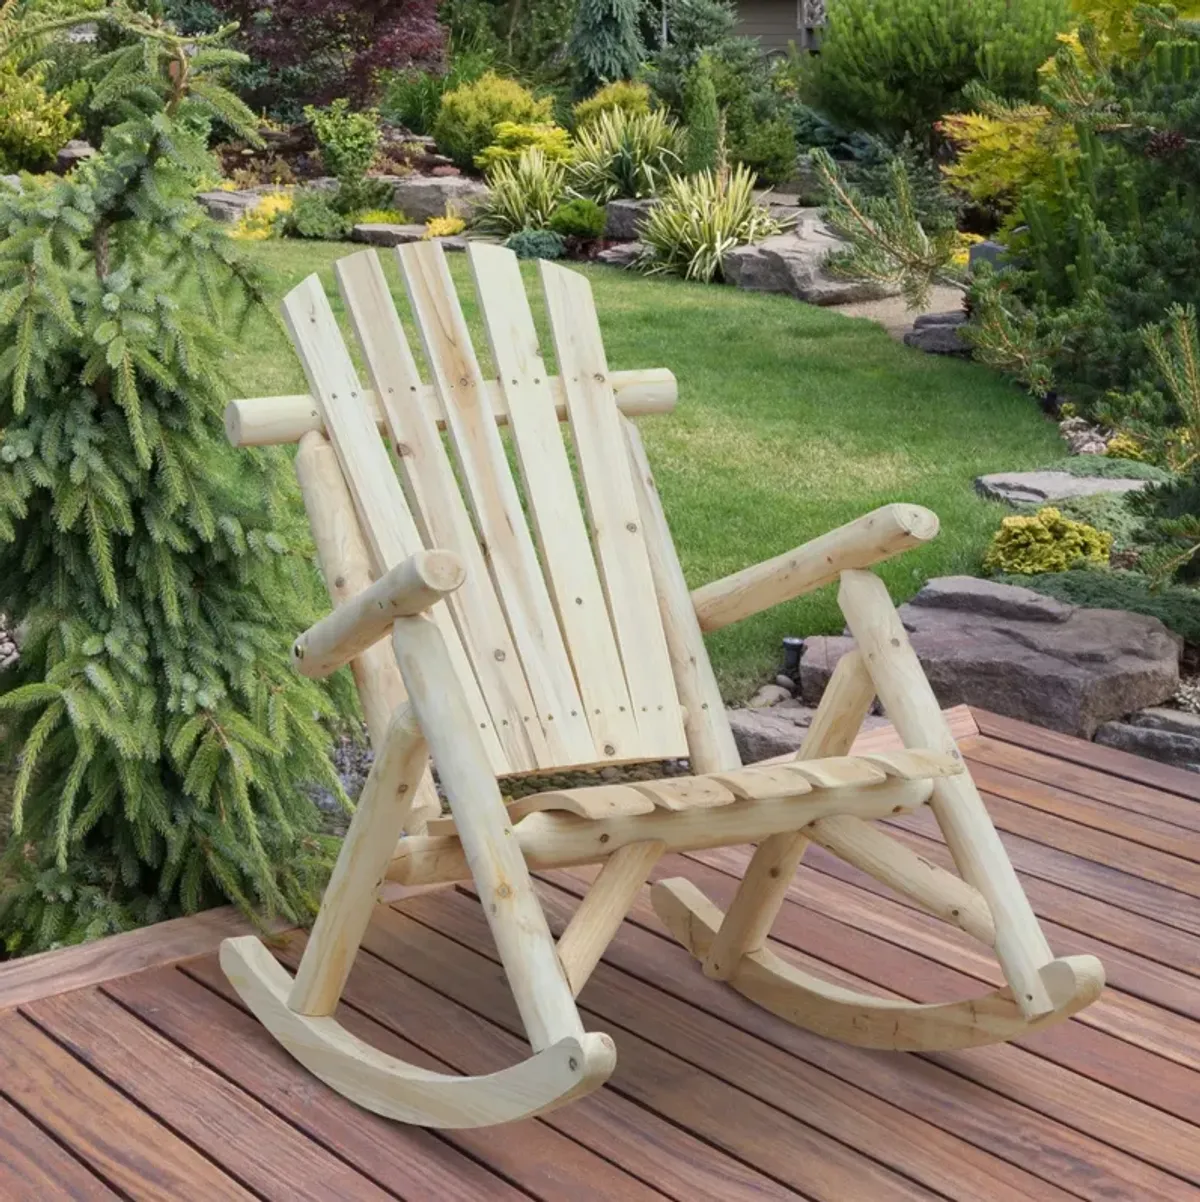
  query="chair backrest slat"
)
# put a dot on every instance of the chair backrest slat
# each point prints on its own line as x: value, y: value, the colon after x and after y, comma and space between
x: 496, y: 504
x: 554, y: 504
x: 383, y: 511
x: 440, y: 508
x: 612, y: 508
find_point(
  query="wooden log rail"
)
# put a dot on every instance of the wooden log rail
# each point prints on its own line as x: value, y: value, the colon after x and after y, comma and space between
x: 276, y: 420
x: 558, y: 840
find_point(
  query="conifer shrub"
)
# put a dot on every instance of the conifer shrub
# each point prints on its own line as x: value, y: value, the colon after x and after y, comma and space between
x: 623, y: 94
x: 1046, y: 541
x: 469, y: 114
x: 606, y: 43
x: 703, y: 120
x: 34, y: 125
x: 163, y: 743
x: 512, y: 137
x: 896, y: 66
x: 536, y: 244
x: 579, y: 218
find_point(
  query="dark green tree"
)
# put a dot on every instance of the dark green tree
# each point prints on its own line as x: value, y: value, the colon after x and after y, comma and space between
x: 606, y: 43
x: 703, y: 120
x: 162, y: 742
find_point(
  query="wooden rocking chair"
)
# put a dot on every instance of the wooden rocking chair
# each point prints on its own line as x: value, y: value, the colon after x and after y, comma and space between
x: 579, y: 645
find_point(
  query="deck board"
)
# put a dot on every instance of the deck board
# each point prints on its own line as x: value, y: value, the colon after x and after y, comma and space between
x: 130, y: 1068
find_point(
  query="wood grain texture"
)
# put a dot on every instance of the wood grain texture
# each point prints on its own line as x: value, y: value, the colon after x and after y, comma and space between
x: 33, y: 1167
x: 800, y: 1158
x: 438, y: 505
x: 383, y: 512
x: 612, y: 509
x: 251, y: 1144
x: 207, y: 1021
x: 496, y: 506
x: 554, y: 503
x: 125, y: 1147
x: 275, y: 420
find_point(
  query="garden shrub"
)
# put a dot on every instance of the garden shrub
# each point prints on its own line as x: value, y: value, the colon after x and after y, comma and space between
x: 34, y: 125
x: 1001, y: 151
x: 703, y: 120
x: 1176, y: 606
x: 467, y: 120
x: 699, y: 219
x: 631, y: 98
x: 268, y: 218
x: 413, y: 97
x: 523, y: 194
x: 896, y: 66
x: 381, y: 217
x: 1110, y: 469
x: 165, y: 745
x: 348, y: 139
x: 768, y: 148
x: 312, y: 51
x: 444, y: 227
x: 606, y: 43
x: 579, y: 218
x: 511, y: 138
x: 1045, y: 542
x: 536, y: 244
x: 1107, y: 512
x: 621, y: 156
x: 313, y: 215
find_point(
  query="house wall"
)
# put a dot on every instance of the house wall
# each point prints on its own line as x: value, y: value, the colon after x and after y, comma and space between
x: 774, y: 22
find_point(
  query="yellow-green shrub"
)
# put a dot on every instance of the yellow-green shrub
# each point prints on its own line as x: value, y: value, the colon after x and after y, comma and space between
x: 467, y: 120
x: 1124, y: 446
x: 1046, y: 542
x: 630, y: 97
x: 512, y: 137
x: 444, y: 227
x: 381, y: 217
x: 1004, y: 151
x: 265, y: 220
x: 34, y: 126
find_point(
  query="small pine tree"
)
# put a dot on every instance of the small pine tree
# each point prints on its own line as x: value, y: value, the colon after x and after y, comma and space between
x: 606, y: 43
x: 162, y: 742
x: 703, y: 119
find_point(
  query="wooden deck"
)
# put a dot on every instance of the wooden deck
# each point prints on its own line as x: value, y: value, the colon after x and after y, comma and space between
x: 128, y: 1070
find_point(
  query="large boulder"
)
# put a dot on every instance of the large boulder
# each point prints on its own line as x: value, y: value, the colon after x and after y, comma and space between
x: 1025, y: 655
x: 763, y: 733
x: 794, y: 263
x: 228, y: 207
x: 622, y: 254
x: 1044, y: 488
x: 423, y: 196
x: 623, y: 218
x: 381, y: 234
x: 1172, y: 736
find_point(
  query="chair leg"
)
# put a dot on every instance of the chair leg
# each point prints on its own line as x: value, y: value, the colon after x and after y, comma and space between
x: 519, y: 927
x: 978, y: 853
x: 350, y: 897
x: 603, y: 909
x: 746, y: 925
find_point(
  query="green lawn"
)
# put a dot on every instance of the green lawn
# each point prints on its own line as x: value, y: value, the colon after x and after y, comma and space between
x: 791, y: 420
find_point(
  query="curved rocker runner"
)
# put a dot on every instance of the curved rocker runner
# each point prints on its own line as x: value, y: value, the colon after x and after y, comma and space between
x: 521, y: 642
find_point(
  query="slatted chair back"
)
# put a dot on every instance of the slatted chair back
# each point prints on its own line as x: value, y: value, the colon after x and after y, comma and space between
x: 556, y: 635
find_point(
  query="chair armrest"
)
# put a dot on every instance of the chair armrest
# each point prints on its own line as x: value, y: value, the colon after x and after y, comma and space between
x: 868, y: 540
x: 406, y: 590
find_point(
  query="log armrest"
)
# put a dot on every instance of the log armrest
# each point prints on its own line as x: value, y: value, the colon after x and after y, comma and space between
x: 406, y: 590
x: 868, y: 540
